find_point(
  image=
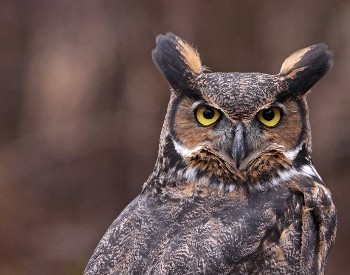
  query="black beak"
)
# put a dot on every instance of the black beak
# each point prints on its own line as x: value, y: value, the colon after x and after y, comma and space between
x: 238, y: 150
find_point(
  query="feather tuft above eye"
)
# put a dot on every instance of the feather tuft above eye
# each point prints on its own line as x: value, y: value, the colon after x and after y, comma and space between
x: 305, y: 67
x: 190, y: 56
x: 177, y: 61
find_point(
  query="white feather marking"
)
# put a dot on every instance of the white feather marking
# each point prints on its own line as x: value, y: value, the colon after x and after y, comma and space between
x: 291, y: 154
x: 310, y: 171
x: 184, y: 151
x: 231, y: 187
x: 315, y: 171
x: 190, y: 174
x: 284, y: 176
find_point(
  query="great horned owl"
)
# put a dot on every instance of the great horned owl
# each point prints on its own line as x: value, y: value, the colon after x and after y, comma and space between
x: 234, y: 190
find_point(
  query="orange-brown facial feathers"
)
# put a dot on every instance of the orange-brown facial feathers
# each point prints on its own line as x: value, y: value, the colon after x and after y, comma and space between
x: 209, y: 148
x: 286, y: 133
x: 186, y: 127
x: 215, y: 165
x: 192, y: 134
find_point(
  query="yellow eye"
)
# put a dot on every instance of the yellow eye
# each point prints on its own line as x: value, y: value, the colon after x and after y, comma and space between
x: 270, y: 117
x: 207, y: 115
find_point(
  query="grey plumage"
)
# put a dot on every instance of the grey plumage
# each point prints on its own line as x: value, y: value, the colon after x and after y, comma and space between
x: 206, y: 209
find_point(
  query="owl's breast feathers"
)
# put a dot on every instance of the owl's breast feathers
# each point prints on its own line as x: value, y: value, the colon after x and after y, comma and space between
x: 192, y: 230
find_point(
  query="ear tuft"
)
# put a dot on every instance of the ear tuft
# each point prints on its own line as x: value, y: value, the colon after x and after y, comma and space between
x: 302, y: 69
x: 176, y: 60
x: 290, y: 63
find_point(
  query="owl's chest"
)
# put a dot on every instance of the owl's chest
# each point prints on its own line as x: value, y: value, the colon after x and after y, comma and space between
x: 221, y: 234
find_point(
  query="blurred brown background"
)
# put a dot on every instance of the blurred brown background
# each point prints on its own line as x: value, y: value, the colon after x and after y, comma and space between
x: 81, y: 108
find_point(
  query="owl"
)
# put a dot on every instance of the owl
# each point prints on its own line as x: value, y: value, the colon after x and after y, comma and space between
x: 234, y: 189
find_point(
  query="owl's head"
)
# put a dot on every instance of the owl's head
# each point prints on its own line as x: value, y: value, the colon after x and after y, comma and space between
x: 236, y: 127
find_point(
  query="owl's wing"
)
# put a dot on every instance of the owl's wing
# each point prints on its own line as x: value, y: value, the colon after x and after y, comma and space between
x: 114, y: 244
x: 184, y: 236
x: 319, y: 222
x: 156, y: 235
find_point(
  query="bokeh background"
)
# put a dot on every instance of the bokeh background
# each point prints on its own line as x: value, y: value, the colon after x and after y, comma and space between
x: 82, y: 105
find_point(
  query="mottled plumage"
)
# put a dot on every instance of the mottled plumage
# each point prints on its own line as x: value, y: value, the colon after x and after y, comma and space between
x: 234, y: 190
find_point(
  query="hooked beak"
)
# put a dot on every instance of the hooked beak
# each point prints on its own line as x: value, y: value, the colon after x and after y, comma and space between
x: 238, y: 150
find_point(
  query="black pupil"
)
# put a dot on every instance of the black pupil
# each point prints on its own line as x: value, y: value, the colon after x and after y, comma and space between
x: 208, y: 113
x: 268, y: 114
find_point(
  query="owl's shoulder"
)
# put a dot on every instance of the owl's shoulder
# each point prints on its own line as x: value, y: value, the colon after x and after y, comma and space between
x: 110, y: 247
